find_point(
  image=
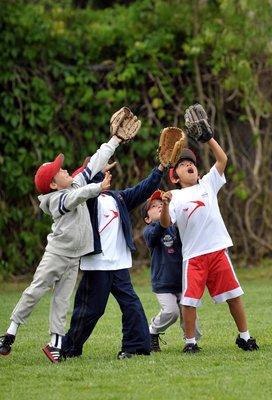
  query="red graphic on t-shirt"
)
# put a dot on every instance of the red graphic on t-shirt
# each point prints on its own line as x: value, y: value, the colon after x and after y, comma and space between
x: 115, y: 215
x: 198, y: 204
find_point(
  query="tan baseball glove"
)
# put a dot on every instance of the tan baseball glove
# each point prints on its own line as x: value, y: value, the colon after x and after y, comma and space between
x: 124, y: 124
x: 175, y: 155
x: 169, y: 137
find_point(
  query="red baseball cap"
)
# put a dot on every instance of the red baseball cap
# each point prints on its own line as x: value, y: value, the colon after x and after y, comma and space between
x: 46, y: 173
x: 155, y: 196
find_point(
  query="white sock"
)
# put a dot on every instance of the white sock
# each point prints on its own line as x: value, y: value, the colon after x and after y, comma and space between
x: 12, y: 330
x: 190, y: 340
x: 244, y: 335
x: 55, y: 340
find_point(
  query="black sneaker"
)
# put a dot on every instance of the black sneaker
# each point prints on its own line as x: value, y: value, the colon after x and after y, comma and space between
x: 247, y: 345
x: 191, y: 348
x: 54, y: 354
x: 5, y: 344
x: 155, y: 340
x: 124, y: 354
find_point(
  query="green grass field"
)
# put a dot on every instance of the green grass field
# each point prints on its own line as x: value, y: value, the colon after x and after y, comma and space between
x: 220, y: 371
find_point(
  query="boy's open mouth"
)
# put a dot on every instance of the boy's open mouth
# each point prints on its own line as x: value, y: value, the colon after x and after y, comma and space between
x: 190, y: 170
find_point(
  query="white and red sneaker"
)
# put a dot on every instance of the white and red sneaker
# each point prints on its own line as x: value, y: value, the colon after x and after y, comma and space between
x: 53, y: 353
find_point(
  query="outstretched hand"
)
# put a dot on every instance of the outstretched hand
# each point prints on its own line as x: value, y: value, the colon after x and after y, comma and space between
x: 105, y: 184
x: 108, y: 167
x: 167, y: 197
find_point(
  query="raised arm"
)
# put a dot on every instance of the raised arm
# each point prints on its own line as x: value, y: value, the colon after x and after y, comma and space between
x: 199, y: 128
x: 220, y: 155
x: 97, y: 161
x: 124, y: 125
x: 165, y: 219
x: 139, y: 193
x: 69, y: 200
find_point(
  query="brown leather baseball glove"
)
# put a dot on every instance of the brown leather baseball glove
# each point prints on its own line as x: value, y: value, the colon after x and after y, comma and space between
x: 169, y: 137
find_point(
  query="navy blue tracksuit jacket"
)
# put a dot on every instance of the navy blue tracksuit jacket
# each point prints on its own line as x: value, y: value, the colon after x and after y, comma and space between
x: 166, y: 258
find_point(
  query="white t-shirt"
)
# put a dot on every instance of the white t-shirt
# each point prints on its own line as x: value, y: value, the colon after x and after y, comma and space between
x: 115, y: 252
x: 195, y: 210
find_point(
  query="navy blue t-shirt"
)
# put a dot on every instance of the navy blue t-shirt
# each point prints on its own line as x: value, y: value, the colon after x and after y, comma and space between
x: 166, y: 257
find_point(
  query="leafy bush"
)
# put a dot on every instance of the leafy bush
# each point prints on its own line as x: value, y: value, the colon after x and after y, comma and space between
x: 65, y: 70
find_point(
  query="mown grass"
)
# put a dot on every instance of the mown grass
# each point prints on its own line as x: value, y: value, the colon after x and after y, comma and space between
x: 220, y: 371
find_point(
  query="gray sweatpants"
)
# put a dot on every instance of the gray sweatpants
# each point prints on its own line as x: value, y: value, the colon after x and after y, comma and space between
x: 59, y: 273
x: 169, y: 313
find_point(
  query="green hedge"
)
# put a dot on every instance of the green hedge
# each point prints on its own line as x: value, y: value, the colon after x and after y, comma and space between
x: 64, y: 71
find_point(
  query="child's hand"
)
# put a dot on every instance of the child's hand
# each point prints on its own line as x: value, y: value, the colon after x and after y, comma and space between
x: 105, y: 184
x: 108, y: 167
x: 166, y: 197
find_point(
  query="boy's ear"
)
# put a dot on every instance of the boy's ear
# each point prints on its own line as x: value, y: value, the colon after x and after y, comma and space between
x: 147, y: 220
x: 53, y: 185
x: 174, y: 178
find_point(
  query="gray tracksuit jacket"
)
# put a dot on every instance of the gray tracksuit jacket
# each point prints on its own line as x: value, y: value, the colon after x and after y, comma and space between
x: 72, y: 234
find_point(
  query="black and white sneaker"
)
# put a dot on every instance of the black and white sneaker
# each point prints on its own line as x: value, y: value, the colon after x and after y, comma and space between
x: 191, y: 348
x: 6, y: 342
x: 53, y: 353
x: 247, y: 345
x: 124, y: 354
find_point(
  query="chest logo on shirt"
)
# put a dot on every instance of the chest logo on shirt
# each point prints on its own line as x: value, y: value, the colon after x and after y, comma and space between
x: 115, y: 214
x: 168, y: 241
x: 198, y: 204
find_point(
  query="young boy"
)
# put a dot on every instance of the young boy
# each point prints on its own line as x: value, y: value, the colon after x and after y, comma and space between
x: 106, y: 271
x: 166, y: 268
x: 64, y: 198
x: 205, y: 240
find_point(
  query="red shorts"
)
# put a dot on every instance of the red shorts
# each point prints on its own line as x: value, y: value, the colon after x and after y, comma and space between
x: 213, y: 270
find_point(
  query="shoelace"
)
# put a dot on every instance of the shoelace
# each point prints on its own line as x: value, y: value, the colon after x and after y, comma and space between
x: 162, y: 340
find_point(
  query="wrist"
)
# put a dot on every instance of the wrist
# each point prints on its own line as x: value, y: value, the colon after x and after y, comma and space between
x: 161, y: 167
x: 116, y: 140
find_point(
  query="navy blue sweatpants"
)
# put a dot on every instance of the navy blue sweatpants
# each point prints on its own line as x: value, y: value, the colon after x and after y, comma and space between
x: 90, y: 303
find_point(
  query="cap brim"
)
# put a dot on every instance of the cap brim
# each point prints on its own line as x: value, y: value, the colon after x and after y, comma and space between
x: 58, y: 162
x: 187, y: 154
x: 155, y: 196
x: 56, y: 165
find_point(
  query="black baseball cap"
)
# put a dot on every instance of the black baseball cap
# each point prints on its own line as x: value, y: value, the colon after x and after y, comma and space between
x: 187, y: 154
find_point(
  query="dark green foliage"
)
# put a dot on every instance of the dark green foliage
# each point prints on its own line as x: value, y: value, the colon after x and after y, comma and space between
x: 65, y: 70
